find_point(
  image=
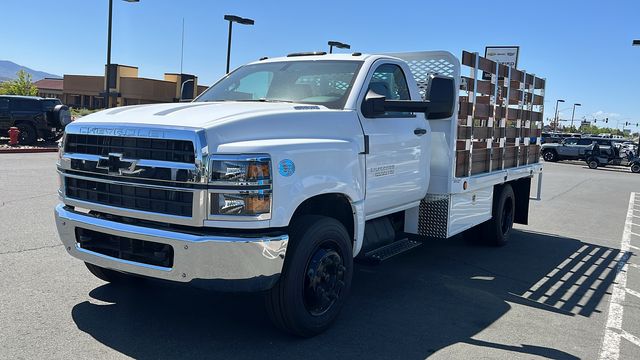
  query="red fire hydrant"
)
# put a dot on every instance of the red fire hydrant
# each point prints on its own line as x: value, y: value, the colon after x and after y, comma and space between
x: 14, y: 133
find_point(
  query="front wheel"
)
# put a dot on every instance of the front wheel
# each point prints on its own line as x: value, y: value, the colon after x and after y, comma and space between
x: 316, y: 278
x: 593, y: 164
x: 635, y: 168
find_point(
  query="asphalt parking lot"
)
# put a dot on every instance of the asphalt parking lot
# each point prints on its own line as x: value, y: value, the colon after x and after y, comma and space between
x: 566, y: 287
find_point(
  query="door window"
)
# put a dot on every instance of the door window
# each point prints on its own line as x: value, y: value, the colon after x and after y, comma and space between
x: 389, y: 80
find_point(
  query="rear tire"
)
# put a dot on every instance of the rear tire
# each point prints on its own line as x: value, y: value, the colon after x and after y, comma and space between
x: 593, y: 164
x: 108, y: 275
x: 635, y: 168
x: 28, y: 134
x: 497, y: 230
x: 550, y: 156
x: 316, y: 277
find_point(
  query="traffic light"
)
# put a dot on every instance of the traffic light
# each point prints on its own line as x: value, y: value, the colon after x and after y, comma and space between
x: 606, y: 120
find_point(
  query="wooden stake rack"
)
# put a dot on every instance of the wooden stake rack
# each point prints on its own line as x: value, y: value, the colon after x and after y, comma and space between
x: 501, y: 110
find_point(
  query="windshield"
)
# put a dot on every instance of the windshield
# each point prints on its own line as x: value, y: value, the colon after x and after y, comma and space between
x: 323, y: 82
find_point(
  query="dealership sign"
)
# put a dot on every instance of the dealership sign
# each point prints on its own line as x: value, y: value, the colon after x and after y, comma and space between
x: 505, y: 55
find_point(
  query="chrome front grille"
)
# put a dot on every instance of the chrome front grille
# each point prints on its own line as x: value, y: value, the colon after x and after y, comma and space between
x: 152, y: 174
x: 163, y: 201
x: 131, y: 147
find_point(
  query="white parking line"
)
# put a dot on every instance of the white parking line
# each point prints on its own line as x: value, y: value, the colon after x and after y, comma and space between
x: 611, y: 344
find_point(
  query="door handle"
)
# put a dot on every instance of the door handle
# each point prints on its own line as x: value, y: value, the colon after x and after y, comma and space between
x: 420, y: 132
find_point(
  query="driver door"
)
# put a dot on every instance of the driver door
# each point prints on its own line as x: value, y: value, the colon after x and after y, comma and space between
x: 397, y: 163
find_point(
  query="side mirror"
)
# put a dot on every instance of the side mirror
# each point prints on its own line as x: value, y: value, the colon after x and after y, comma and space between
x: 441, y: 95
x: 374, y: 104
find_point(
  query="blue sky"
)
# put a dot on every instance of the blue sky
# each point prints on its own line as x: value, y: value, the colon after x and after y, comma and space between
x: 583, y: 48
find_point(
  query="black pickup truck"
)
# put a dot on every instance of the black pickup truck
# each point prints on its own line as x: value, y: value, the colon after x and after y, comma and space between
x: 35, y: 117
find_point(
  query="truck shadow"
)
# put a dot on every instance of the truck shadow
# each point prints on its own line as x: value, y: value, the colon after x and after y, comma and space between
x: 443, y: 293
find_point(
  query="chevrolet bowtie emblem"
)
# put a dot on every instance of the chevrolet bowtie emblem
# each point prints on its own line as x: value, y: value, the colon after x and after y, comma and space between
x: 116, y: 165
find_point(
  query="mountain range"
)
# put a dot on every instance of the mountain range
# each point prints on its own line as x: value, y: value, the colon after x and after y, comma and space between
x: 9, y: 70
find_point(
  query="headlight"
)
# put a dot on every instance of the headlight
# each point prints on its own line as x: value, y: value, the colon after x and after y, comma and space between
x: 240, y: 204
x: 240, y: 186
x: 241, y: 169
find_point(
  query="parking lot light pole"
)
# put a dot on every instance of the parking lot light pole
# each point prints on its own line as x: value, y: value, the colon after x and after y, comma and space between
x: 237, y: 19
x: 337, y: 44
x: 107, y: 92
x: 555, y: 127
x: 574, y: 113
x: 636, y: 42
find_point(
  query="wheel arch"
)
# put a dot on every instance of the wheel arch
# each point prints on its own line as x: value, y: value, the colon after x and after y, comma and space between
x: 338, y: 206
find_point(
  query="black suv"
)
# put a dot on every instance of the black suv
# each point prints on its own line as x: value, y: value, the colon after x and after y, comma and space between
x: 35, y: 117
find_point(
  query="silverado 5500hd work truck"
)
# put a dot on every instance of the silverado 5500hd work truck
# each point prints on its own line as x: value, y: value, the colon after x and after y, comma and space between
x: 286, y: 170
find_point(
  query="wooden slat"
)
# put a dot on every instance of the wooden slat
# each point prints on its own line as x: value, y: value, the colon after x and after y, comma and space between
x: 483, y: 111
x: 540, y: 83
x: 462, y: 163
x: 484, y: 86
x: 510, y: 156
x: 529, y: 79
x: 480, y: 161
x: 464, y: 132
x: 496, y: 159
x: 482, y: 133
x: 469, y: 59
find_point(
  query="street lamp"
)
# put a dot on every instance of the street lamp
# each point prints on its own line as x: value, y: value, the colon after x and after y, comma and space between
x: 237, y: 19
x: 636, y: 43
x: 337, y: 44
x: 555, y: 128
x: 107, y: 93
x: 574, y: 112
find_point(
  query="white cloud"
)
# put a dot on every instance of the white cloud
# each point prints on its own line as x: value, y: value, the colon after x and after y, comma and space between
x: 602, y: 114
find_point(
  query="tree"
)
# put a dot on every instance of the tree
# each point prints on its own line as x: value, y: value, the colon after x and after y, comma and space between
x: 20, y: 86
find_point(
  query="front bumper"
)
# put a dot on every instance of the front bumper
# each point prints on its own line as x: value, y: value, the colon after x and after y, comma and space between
x: 217, y: 262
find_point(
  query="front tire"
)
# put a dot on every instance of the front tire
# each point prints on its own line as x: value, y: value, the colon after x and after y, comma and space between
x: 316, y: 277
x: 498, y: 230
x: 550, y: 156
x: 635, y: 168
x: 593, y: 164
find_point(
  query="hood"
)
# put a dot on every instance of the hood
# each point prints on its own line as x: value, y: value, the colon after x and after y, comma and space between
x: 193, y: 115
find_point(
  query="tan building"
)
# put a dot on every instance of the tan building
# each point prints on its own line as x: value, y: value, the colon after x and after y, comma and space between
x: 49, y: 88
x: 85, y: 91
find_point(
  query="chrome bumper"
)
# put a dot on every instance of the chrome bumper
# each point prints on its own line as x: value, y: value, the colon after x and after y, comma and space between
x: 233, y: 263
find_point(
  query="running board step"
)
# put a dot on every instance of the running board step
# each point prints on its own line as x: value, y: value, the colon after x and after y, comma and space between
x: 388, y: 251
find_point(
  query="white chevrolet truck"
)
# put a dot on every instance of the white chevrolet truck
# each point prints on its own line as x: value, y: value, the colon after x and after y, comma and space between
x: 287, y: 170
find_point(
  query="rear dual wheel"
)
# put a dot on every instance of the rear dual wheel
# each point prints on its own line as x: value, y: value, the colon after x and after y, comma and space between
x: 316, y: 277
x: 498, y: 230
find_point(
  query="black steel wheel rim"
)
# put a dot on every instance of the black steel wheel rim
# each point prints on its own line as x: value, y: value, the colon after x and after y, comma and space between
x: 548, y: 155
x: 507, y: 217
x: 324, y: 279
